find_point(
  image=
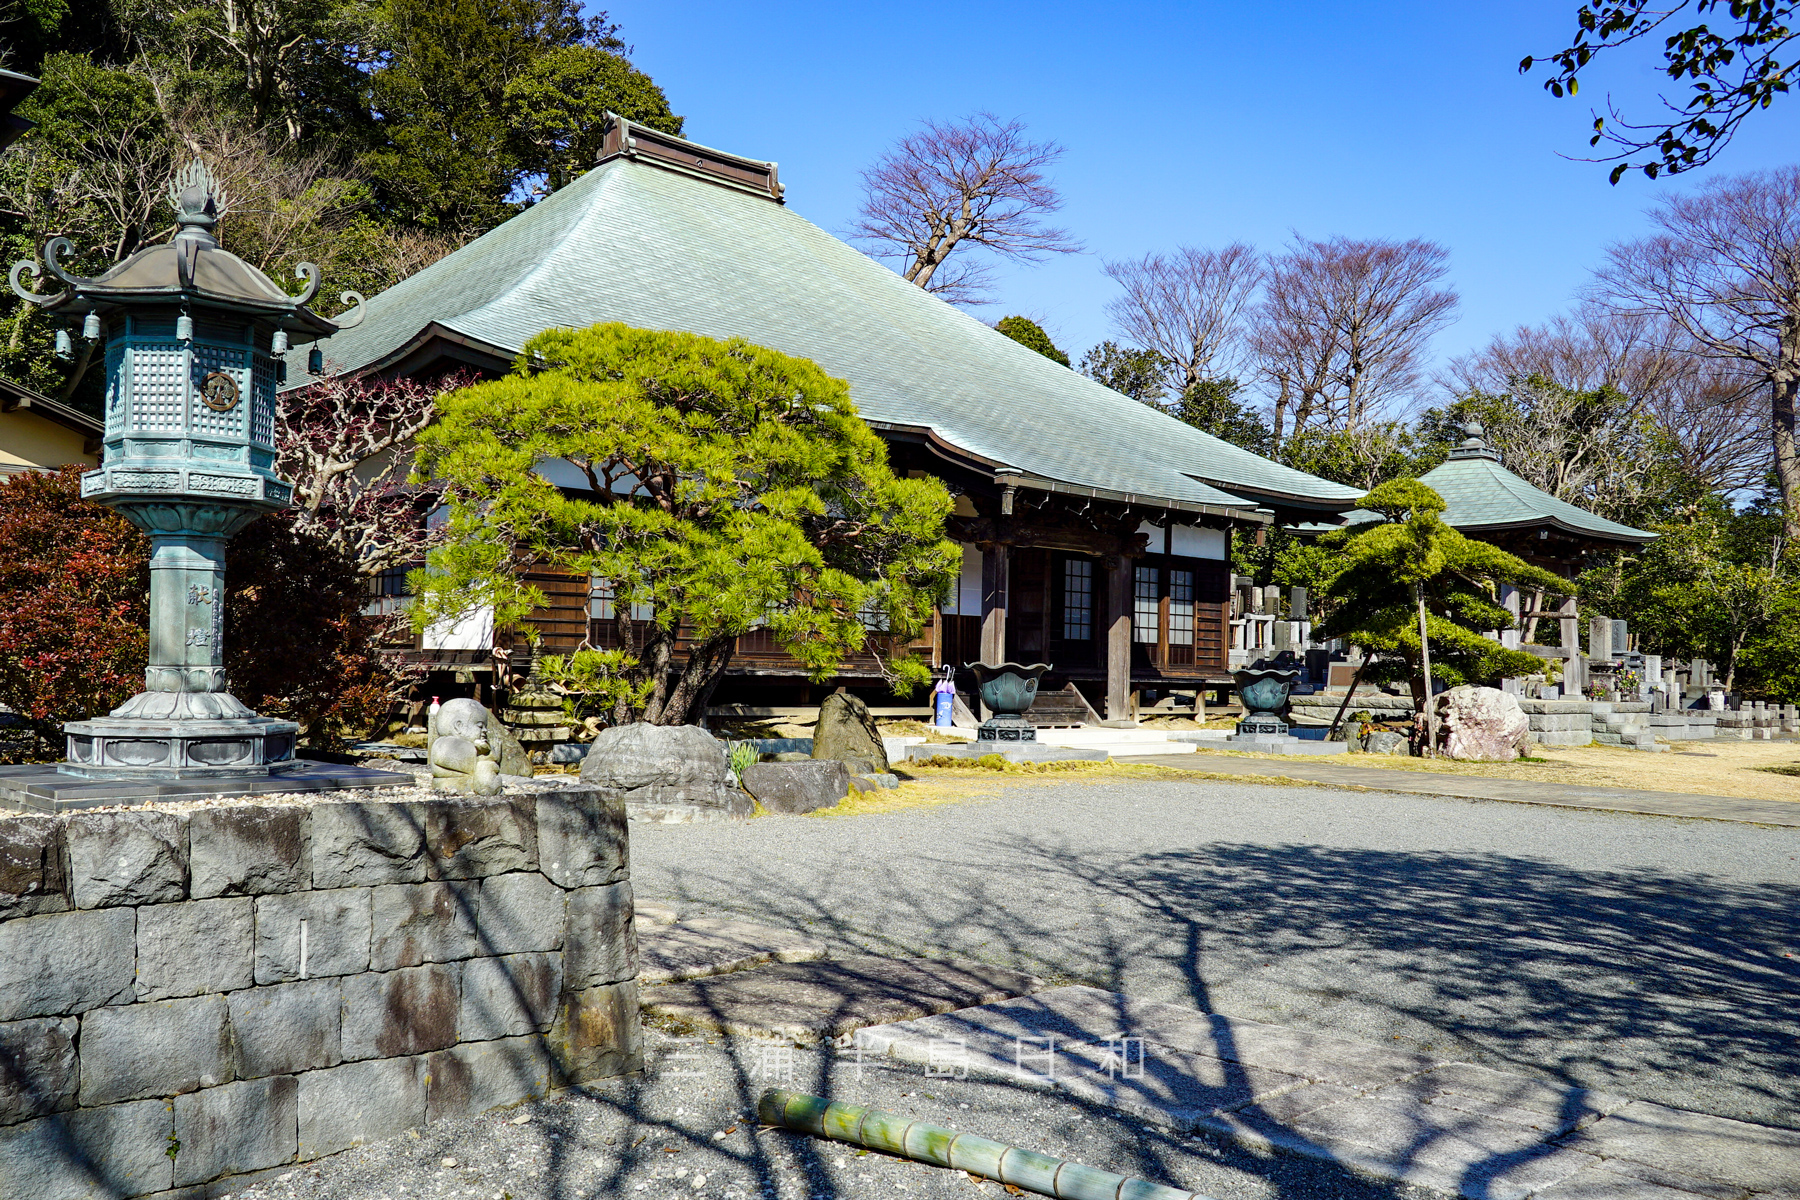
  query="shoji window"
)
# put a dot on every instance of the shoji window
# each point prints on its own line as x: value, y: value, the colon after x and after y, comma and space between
x: 1146, y: 610
x: 1181, y: 608
x: 1078, y: 600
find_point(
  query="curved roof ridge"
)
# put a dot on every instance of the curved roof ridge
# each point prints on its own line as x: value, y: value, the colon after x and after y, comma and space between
x: 1530, y: 501
x: 634, y: 242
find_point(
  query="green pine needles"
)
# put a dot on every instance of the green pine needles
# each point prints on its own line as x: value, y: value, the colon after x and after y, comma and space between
x: 1387, y: 565
x: 730, y: 488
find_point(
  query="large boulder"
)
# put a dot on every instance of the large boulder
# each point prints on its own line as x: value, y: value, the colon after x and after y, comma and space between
x: 1385, y: 741
x: 1481, y: 724
x: 797, y: 787
x: 665, y: 773
x: 846, y: 732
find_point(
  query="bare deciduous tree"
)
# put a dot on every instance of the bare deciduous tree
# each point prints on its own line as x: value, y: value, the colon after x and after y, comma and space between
x: 1724, y: 270
x: 979, y: 181
x: 1343, y: 326
x: 1187, y: 306
x: 346, y: 442
x: 1704, y: 408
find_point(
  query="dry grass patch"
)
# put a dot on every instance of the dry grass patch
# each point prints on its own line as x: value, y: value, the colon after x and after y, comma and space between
x: 1746, y: 770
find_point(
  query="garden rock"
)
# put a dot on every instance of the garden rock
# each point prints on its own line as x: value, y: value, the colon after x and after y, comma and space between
x: 846, y: 732
x: 1385, y: 741
x: 665, y: 773
x: 1481, y: 724
x: 797, y: 787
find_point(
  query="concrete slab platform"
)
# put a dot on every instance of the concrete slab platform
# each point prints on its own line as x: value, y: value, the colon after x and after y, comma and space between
x: 810, y: 1002
x: 1455, y: 1127
x: 706, y: 946
x: 1015, y: 752
x: 1754, y: 1157
x: 44, y: 789
x: 653, y: 913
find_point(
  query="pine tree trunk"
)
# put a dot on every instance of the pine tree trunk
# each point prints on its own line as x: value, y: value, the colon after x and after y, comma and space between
x: 1425, y: 665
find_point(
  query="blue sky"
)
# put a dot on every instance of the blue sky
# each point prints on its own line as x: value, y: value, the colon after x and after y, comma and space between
x: 1200, y: 123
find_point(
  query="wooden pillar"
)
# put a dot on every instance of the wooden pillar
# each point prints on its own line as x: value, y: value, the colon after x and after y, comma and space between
x: 1118, y: 638
x: 993, y: 603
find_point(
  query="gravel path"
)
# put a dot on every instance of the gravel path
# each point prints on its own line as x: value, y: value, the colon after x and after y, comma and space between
x: 658, y: 1137
x: 1651, y: 956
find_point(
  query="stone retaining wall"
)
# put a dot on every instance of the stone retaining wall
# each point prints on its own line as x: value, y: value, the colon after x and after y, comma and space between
x: 186, y: 997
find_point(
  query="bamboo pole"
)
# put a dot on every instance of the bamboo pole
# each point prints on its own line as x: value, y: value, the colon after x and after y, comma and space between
x: 891, y: 1133
x: 1348, y: 692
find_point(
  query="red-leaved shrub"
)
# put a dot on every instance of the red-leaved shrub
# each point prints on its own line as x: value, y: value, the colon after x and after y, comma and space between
x: 74, y: 586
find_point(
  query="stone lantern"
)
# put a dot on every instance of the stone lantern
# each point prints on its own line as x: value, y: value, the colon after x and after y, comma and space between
x: 193, y: 338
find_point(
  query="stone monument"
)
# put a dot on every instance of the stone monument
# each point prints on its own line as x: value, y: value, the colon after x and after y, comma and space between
x: 192, y: 338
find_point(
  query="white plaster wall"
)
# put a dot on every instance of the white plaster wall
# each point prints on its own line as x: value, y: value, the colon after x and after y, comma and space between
x: 965, y: 593
x: 472, y: 631
x: 1193, y: 542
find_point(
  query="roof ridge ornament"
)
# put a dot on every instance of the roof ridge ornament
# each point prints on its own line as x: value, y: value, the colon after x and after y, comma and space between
x: 1474, y: 443
x: 199, y: 200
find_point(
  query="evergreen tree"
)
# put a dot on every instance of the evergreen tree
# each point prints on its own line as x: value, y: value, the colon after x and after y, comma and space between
x: 733, y: 488
x: 1031, y: 335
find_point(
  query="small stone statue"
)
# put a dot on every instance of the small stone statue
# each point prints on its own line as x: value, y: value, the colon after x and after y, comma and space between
x: 462, y: 759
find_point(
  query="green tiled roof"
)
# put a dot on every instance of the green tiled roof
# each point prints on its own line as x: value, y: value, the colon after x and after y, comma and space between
x: 658, y: 249
x: 1483, y: 495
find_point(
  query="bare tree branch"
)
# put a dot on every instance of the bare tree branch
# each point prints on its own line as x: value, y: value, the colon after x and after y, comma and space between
x: 1724, y: 270
x: 978, y: 180
x: 1188, y: 306
x: 1343, y: 326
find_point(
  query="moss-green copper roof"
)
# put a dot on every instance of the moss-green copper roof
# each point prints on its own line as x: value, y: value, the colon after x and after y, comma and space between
x: 1480, y: 494
x: 657, y: 249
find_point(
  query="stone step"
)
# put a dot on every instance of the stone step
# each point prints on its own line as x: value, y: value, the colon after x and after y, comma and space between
x: 813, y: 1001
x: 703, y: 946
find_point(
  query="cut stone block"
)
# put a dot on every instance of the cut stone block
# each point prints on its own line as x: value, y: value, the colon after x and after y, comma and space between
x: 410, y: 1011
x: 414, y: 923
x: 55, y: 1158
x: 807, y: 1002
x: 582, y: 839
x: 468, y: 1080
x: 67, y: 962
x: 31, y: 872
x: 597, y: 1034
x: 359, y: 844
x: 236, y: 1128
x: 1754, y: 1157
x: 359, y: 1103
x: 520, y: 912
x: 249, y: 850
x: 163, y: 1048
x: 797, y: 787
x: 312, y: 933
x: 714, y: 946
x: 473, y: 838
x: 508, y: 997
x: 285, y: 1029
x: 132, y: 858
x: 38, y: 1071
x: 600, y: 938
x: 195, y: 947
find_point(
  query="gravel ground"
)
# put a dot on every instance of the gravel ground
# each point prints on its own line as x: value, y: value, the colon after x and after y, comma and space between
x: 685, y: 1129
x: 1651, y: 956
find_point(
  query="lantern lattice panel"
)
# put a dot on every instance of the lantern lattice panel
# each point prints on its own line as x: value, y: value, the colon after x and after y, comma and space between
x: 158, y: 392
x: 262, y: 403
x: 205, y: 421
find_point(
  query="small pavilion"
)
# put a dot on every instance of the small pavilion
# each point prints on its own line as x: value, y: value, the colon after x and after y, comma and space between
x: 1485, y: 501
